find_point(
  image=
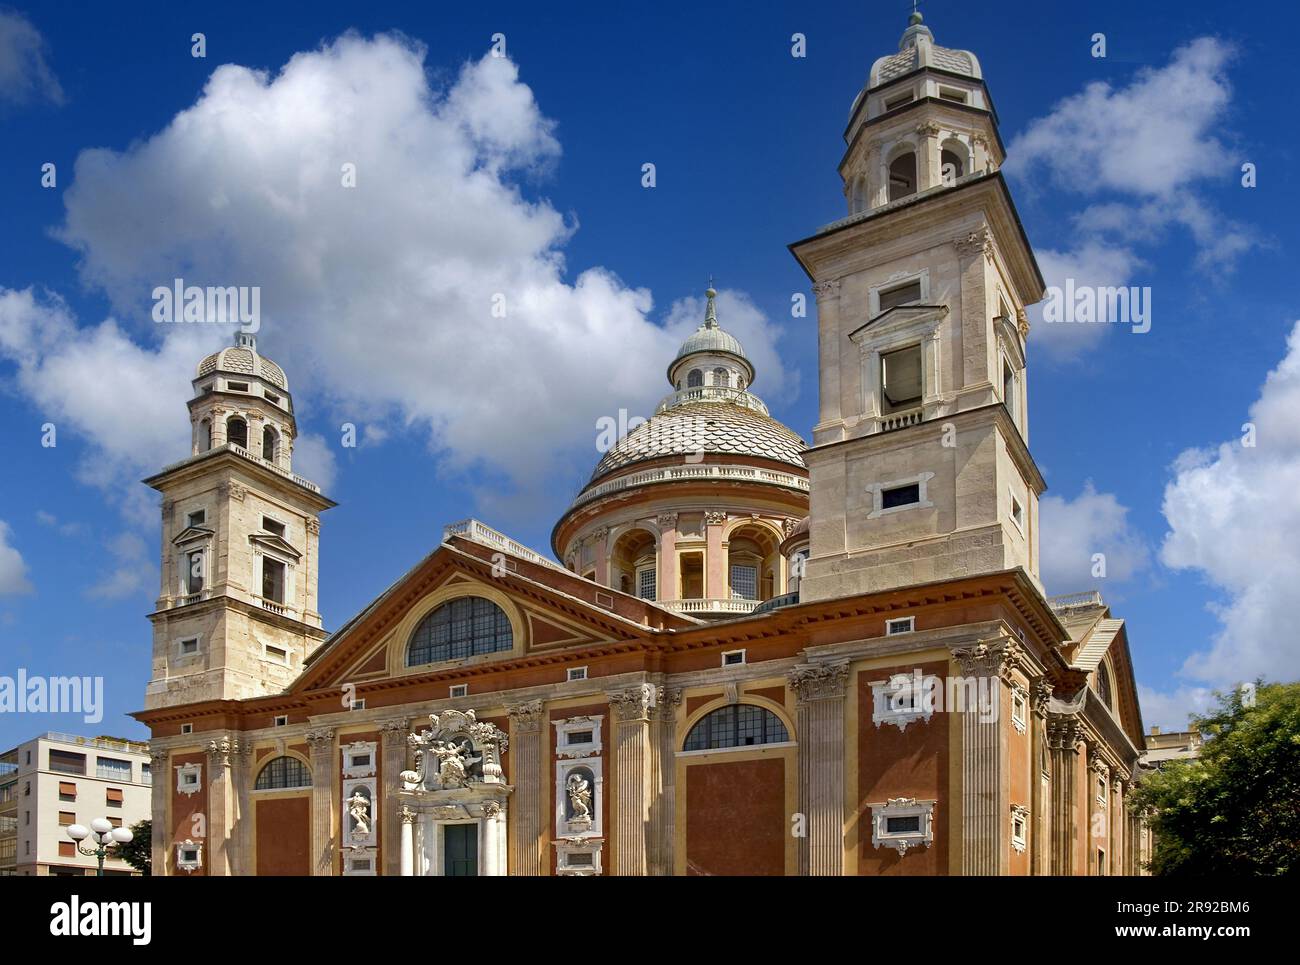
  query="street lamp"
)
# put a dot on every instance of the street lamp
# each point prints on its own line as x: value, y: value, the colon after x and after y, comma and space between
x: 104, y: 834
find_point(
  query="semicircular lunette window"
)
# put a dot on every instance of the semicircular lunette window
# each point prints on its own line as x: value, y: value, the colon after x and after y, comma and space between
x: 740, y: 725
x: 282, y: 772
x: 464, y: 627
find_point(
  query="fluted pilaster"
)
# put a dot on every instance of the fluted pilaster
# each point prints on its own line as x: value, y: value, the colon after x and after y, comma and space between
x: 819, y: 691
x: 1063, y: 734
x: 221, y: 807
x: 323, y: 771
x: 631, y: 712
x: 526, y: 775
x: 663, y: 756
x: 393, y: 734
x: 160, y: 773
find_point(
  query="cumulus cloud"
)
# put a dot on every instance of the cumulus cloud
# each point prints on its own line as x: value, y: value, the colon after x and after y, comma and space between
x: 13, y: 569
x: 1075, y: 530
x: 1233, y: 517
x: 313, y: 458
x: 25, y: 76
x: 131, y: 572
x: 1140, y: 155
x: 432, y: 296
x: 1170, y: 710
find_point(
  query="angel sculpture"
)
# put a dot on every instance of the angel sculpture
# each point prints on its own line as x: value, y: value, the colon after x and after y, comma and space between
x: 359, y: 808
x: 579, y: 789
x: 454, y: 761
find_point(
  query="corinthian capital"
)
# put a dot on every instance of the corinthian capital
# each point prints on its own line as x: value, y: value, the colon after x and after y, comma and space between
x: 980, y: 240
x: 633, y: 704
x: 818, y: 681
x: 1064, y: 732
x: 321, y: 739
x: 826, y: 289
x: 220, y: 749
x: 526, y: 717
x: 989, y: 658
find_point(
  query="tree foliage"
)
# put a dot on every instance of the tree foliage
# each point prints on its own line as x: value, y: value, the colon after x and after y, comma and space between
x: 138, y: 852
x: 1236, y: 809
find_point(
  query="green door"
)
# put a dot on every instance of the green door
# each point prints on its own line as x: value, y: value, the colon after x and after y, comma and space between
x: 460, y: 850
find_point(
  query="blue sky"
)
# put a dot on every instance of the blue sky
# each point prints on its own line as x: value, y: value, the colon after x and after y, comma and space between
x: 524, y: 176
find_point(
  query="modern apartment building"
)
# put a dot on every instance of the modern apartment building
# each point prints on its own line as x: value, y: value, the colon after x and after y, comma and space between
x: 57, y: 780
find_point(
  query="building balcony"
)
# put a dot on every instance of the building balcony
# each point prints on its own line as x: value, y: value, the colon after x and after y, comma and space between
x: 705, y: 607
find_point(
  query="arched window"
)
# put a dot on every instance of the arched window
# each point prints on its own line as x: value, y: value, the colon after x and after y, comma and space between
x: 464, y: 627
x: 205, y: 435
x: 1103, y: 685
x: 282, y: 772
x: 721, y: 376
x: 740, y: 725
x: 951, y: 166
x: 268, y: 444
x: 695, y: 379
x: 902, y: 176
x: 237, y: 432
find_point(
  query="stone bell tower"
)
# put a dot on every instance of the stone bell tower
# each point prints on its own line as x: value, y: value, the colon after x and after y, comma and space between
x: 237, y: 612
x: 919, y: 468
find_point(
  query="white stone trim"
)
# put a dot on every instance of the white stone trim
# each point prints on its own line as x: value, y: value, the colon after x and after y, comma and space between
x: 739, y: 663
x: 566, y: 849
x: 889, y: 621
x: 888, y: 705
x: 1019, y: 815
x: 901, y: 278
x: 1019, y: 696
x: 184, y: 772
x: 352, y: 837
x: 188, y: 864
x: 361, y: 864
x: 571, y: 725
x: 358, y: 749
x: 902, y: 807
x: 921, y: 480
x: 593, y: 825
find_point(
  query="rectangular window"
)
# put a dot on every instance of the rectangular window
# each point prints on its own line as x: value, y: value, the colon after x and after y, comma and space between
x: 1101, y: 861
x: 278, y: 654
x: 66, y: 818
x: 903, y: 825
x: 67, y: 762
x: 281, y: 721
x: 146, y: 774
x: 577, y: 673
x: 900, y: 625
x: 189, y: 646
x: 197, y: 518
x: 187, y: 728
x: 67, y: 791
x: 949, y: 94
x: 898, y: 100
x: 112, y: 769
x: 273, y: 526
x: 733, y: 658
x: 1009, y: 388
x: 194, y: 572
x: 67, y: 849
x: 1017, y: 513
x: 358, y: 703
x: 237, y: 386
x: 113, y: 797
x: 579, y: 737
x: 646, y: 583
x: 272, y: 580
x: 744, y: 582
x: 900, y: 295
x: 460, y: 690
x: 271, y: 397
x: 900, y: 496
x: 900, y: 379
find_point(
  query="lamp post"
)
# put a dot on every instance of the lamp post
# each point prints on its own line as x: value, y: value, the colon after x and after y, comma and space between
x: 103, y: 834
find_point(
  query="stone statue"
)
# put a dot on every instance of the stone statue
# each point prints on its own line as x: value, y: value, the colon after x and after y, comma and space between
x: 359, y: 808
x: 455, y: 760
x: 579, y: 789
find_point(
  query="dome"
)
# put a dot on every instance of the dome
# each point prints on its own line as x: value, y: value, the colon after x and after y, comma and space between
x: 714, y: 428
x: 917, y: 49
x: 242, y: 359
x: 710, y: 339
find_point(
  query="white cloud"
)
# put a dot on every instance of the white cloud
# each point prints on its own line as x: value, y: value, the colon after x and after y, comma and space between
x: 24, y: 74
x: 1142, y: 154
x: 13, y: 569
x: 1233, y: 516
x: 1073, y: 531
x: 1170, y: 710
x: 314, y: 459
x: 131, y: 572
x: 52, y: 521
x: 377, y: 299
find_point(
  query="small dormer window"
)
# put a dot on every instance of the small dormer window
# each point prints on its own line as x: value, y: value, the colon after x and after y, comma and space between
x: 196, y: 518
x: 272, y: 397
x: 898, y: 100
x: 237, y: 386
x: 952, y: 94
x: 273, y: 526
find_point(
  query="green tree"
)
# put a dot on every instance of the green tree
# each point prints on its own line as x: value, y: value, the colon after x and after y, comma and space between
x: 138, y: 852
x: 1236, y: 809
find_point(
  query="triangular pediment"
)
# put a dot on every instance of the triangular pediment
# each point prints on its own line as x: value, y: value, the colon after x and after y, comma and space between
x: 276, y: 544
x: 191, y: 534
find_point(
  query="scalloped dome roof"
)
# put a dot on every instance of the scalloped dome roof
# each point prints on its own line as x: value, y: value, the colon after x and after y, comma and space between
x: 918, y: 49
x: 714, y: 428
x: 242, y: 359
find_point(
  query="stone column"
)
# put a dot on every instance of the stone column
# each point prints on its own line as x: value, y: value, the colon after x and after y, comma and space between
x: 220, y: 808
x: 663, y: 778
x: 819, y: 691
x: 666, y: 579
x: 1041, y: 852
x: 393, y: 734
x: 1116, y: 849
x: 715, y: 561
x: 928, y: 173
x: 600, y: 551
x: 986, y: 802
x: 324, y: 769
x: 975, y: 256
x: 1098, y: 807
x: 242, y: 776
x: 406, y: 867
x: 526, y: 775
x: 1063, y: 733
x: 829, y: 348
x: 631, y: 712
x: 160, y: 773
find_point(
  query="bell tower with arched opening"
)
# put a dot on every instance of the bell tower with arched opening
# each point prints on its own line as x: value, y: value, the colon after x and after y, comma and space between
x: 238, y: 612
x: 919, y: 468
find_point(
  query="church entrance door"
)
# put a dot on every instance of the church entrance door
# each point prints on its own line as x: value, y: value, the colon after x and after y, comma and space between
x: 460, y: 850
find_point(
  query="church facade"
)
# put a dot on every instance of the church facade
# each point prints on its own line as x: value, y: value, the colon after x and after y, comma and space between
x: 756, y: 655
